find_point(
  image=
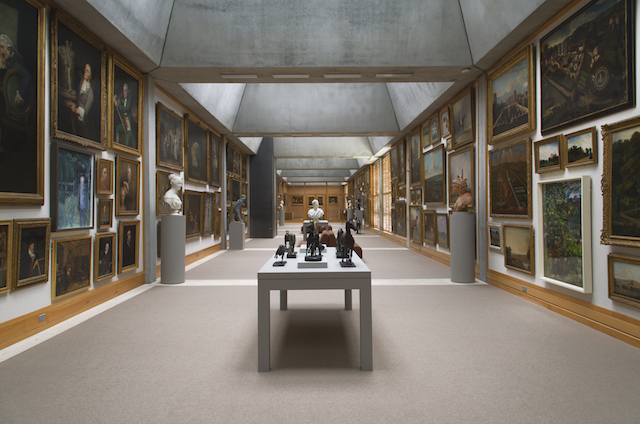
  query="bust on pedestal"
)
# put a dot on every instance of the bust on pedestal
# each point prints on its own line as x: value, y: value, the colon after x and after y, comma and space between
x: 236, y: 227
x: 463, y: 232
x: 174, y: 230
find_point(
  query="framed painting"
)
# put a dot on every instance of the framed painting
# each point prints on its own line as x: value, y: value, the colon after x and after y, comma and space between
x: 71, y: 266
x: 462, y: 119
x: 245, y: 168
x: 31, y: 251
x: 103, y: 263
x: 415, y: 223
x: 22, y: 113
x: 235, y: 190
x: 433, y: 169
x: 78, y: 84
x: 425, y: 135
x: 518, y: 248
x: 581, y: 148
x: 104, y: 180
x: 587, y: 64
x: 207, y: 218
x: 214, y: 160
x: 511, y: 111
x: 462, y: 165
x: 434, y: 129
x: 196, y: 151
x: 393, y: 157
x: 128, y: 235
x: 71, y: 188
x: 442, y: 227
x: 169, y: 138
x: 400, y: 219
x: 237, y: 163
x: 230, y: 154
x: 6, y: 256
x: 128, y: 186
x: 402, y: 162
x: 445, y: 121
x: 105, y: 214
x: 621, y: 141
x: 416, y: 154
x: 126, y: 105
x: 549, y: 155
x: 430, y: 231
x: 193, y: 211
x: 564, y: 217
x: 217, y: 216
x: 416, y: 196
x: 624, y: 279
x: 510, y: 180
x: 162, y: 186
x: 297, y: 200
x: 495, y: 236
x: 333, y: 200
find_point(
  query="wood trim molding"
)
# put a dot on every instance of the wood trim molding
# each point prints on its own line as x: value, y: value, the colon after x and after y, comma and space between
x: 27, y: 325
x: 606, y: 321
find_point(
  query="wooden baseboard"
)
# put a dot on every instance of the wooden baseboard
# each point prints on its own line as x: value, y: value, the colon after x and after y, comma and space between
x: 196, y: 256
x: 27, y: 325
x: 609, y: 322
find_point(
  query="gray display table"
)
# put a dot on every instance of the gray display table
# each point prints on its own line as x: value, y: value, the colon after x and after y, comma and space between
x: 333, y: 277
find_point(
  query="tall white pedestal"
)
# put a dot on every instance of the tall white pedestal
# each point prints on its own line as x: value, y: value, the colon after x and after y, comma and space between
x: 462, y: 247
x: 281, y: 215
x: 174, y: 230
x: 236, y: 235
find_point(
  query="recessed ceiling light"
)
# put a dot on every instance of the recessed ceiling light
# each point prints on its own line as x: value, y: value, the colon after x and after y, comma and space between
x: 393, y: 75
x: 243, y: 76
x: 466, y: 70
x: 343, y: 75
x: 289, y: 75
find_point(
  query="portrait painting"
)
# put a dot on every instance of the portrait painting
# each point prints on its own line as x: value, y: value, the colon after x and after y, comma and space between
x: 169, y: 138
x: 400, y: 219
x: 510, y: 180
x: 71, y: 266
x: 78, y: 84
x: 435, y: 129
x: 214, y: 165
x: 549, y: 154
x: 230, y: 157
x: 462, y: 119
x: 104, y: 179
x: 71, y: 188
x: 581, y: 147
x: 430, y: 232
x: 518, y: 248
x: 402, y: 161
x: 196, y: 146
x: 415, y: 223
x: 462, y: 165
x: 237, y: 163
x: 207, y: 219
x: 128, y: 235
x: 393, y: 157
x: 624, y: 279
x: 125, y: 107
x: 6, y: 255
x: 434, y: 176
x: 333, y: 200
x: 31, y: 251
x: 445, y: 121
x: 621, y: 183
x: 105, y: 214
x: 128, y: 186
x: 162, y: 186
x: 564, y: 218
x: 22, y: 108
x: 103, y: 257
x: 510, y: 108
x: 494, y: 234
x: 442, y: 226
x: 587, y: 64
x: 425, y: 135
x: 193, y: 211
x: 416, y: 154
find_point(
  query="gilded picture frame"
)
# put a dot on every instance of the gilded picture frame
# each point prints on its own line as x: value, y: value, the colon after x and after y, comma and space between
x: 425, y: 135
x: 495, y: 236
x: 462, y: 164
x: 463, y: 125
x: 415, y: 223
x: 71, y: 267
x: 215, y: 170
x: 442, y: 227
x: 511, y: 111
x: 78, y: 83
x: 31, y: 251
x: 400, y: 220
x: 104, y: 176
x: 104, y: 264
x: 128, y: 195
x: 22, y: 117
x: 549, y: 154
x: 125, y: 107
x: 193, y: 211
x: 416, y: 156
x: 217, y: 224
x: 581, y: 147
x: 208, y: 214
x: 402, y: 162
x: 6, y: 256
x: 196, y: 150
x: 169, y: 138
x: 434, y: 176
x: 510, y: 180
x: 519, y: 249
x: 624, y: 278
x: 393, y: 158
x: 104, y: 214
x: 434, y: 124
x: 128, y: 242
x: 445, y: 121
x: 429, y: 229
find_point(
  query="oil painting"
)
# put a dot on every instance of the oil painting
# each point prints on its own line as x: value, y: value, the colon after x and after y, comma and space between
x: 6, y: 255
x: 434, y: 176
x: 494, y: 234
x: 105, y: 214
x: 518, y: 248
x: 193, y: 211
x: 214, y: 160
x: 416, y: 153
x: 549, y: 154
x: 128, y: 186
x: 31, y: 251
x: 169, y: 138
x: 207, y: 219
x: 581, y: 147
x: 415, y: 223
x: 462, y: 119
x: 128, y: 235
x: 196, y: 151
x: 510, y: 180
x: 624, y: 279
x: 400, y: 219
x: 442, y: 227
x: 103, y: 258
x: 125, y: 107
x: 430, y: 231
x: 104, y: 179
x: 71, y: 266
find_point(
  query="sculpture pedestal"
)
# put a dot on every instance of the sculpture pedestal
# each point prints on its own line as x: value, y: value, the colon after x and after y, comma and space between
x: 236, y: 235
x: 360, y: 215
x: 174, y: 229
x: 463, y: 247
x: 349, y: 214
x: 281, y: 217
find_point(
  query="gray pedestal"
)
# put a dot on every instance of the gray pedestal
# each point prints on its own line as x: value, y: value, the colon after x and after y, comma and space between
x: 360, y: 215
x: 236, y: 235
x: 281, y: 217
x: 349, y: 214
x: 462, y: 247
x: 173, y: 250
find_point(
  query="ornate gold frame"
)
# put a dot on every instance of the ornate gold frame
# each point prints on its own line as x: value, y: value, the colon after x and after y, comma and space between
x: 96, y: 257
x: 159, y: 162
x: 187, y: 172
x: 120, y: 160
x: 114, y: 61
x: 8, y: 257
x: 54, y: 268
x: 532, y: 251
x: 19, y: 226
x: 121, y: 227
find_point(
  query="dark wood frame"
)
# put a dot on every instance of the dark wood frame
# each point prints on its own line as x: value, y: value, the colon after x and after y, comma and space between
x: 417, y: 210
x: 99, y: 224
x: 215, y: 180
x: 415, y: 150
x: 6, y: 254
x: 429, y: 216
x: 189, y: 196
x: 58, y: 269
x: 594, y: 147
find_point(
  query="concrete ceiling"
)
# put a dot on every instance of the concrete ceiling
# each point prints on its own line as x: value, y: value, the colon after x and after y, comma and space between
x: 337, y: 79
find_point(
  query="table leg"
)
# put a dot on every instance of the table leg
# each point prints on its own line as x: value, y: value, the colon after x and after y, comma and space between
x: 264, y: 360
x: 347, y: 300
x: 283, y: 300
x: 366, y: 330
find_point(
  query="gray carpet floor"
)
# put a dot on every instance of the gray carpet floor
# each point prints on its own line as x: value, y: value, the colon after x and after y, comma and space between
x: 442, y: 353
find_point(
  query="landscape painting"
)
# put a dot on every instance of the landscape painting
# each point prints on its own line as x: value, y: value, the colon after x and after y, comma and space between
x: 548, y: 154
x: 442, y: 225
x: 624, y: 279
x: 581, y: 147
x: 434, y: 171
x: 494, y: 233
x: 510, y: 180
x: 462, y: 119
x: 518, y: 247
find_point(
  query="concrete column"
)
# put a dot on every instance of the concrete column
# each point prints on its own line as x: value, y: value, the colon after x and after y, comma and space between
x: 149, y: 223
x: 263, y: 192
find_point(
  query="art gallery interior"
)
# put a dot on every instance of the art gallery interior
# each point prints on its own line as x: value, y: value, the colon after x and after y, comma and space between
x: 373, y: 109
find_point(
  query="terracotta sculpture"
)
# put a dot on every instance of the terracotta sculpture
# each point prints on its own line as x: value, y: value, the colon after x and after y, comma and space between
x: 465, y: 199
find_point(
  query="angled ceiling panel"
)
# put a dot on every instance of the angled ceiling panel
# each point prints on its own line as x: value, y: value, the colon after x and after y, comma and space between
x: 321, y: 147
x: 378, y: 143
x: 316, y: 164
x: 221, y: 100
x: 311, y: 173
x: 411, y: 99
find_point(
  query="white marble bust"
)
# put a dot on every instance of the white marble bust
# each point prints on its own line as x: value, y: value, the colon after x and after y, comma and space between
x: 172, y: 196
x: 315, y: 213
